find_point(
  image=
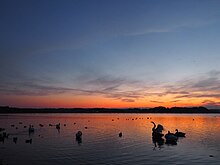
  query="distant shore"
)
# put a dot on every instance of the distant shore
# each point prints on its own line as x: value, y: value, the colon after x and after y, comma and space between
x: 160, y: 109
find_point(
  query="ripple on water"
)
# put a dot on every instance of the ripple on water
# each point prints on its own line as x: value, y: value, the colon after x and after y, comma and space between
x: 102, y: 145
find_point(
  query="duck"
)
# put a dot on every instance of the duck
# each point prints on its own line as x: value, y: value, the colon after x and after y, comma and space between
x: 28, y: 141
x: 79, y: 136
x: 31, y: 129
x: 58, y: 126
x: 2, y: 129
x: 5, y: 135
x: 179, y: 134
x: 120, y: 134
x: 15, y: 139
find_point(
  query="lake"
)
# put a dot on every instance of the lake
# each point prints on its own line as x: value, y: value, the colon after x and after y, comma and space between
x: 101, y: 143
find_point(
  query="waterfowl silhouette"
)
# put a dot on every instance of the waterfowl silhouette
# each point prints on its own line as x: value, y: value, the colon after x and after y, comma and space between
x: 5, y: 135
x: 120, y: 134
x: 157, y: 131
x: 79, y: 137
x: 28, y: 141
x: 171, y: 138
x: 179, y: 134
x: 79, y: 134
x: 58, y: 126
x: 15, y: 139
x: 31, y: 129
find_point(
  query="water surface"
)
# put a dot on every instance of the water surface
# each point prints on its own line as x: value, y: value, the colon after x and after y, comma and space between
x: 101, y: 143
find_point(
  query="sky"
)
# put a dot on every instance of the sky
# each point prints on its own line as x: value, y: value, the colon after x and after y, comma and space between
x: 110, y: 53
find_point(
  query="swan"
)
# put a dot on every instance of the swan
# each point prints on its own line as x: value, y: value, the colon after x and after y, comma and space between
x: 159, y: 128
x: 157, y: 131
x: 171, y: 138
x: 179, y: 134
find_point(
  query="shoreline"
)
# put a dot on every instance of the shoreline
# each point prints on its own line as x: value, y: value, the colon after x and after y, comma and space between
x: 180, y: 110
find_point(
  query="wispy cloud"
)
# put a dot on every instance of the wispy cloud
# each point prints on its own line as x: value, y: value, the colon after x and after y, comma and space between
x: 172, y: 27
x: 205, y: 87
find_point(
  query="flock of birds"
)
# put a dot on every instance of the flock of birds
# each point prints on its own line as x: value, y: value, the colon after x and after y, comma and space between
x: 171, y: 138
x: 157, y: 135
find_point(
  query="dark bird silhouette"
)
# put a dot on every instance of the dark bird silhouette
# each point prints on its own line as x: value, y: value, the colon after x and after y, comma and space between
x: 58, y: 126
x: 179, y: 134
x: 171, y: 138
x: 120, y: 134
x: 28, y: 141
x: 15, y: 139
x: 2, y: 139
x: 31, y: 129
x: 79, y: 134
x: 41, y: 125
x: 5, y: 135
x: 157, y: 131
x: 79, y: 137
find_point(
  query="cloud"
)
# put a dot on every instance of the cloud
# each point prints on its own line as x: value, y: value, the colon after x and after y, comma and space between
x: 128, y: 100
x: 172, y: 27
x: 203, y: 87
x: 211, y: 104
x: 154, y: 101
x: 207, y: 85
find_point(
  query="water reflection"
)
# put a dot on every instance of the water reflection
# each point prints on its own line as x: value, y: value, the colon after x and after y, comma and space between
x: 158, y: 143
x: 101, y: 139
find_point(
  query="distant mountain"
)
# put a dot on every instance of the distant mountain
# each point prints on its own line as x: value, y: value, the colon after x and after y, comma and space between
x: 160, y: 109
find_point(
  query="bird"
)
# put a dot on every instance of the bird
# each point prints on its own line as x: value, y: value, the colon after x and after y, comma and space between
x: 2, y: 129
x: 79, y: 134
x: 15, y: 139
x: 28, y: 141
x: 58, y: 126
x: 179, y: 134
x: 171, y: 138
x: 31, y: 129
x: 120, y: 134
x: 157, y: 131
x: 41, y: 125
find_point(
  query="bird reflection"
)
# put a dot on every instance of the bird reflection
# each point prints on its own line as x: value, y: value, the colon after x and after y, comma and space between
x: 158, y: 143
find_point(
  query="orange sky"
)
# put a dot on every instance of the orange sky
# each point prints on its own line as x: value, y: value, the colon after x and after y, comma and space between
x: 69, y: 101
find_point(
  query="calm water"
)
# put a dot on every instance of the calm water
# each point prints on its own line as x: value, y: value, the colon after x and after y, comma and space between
x: 101, y: 143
